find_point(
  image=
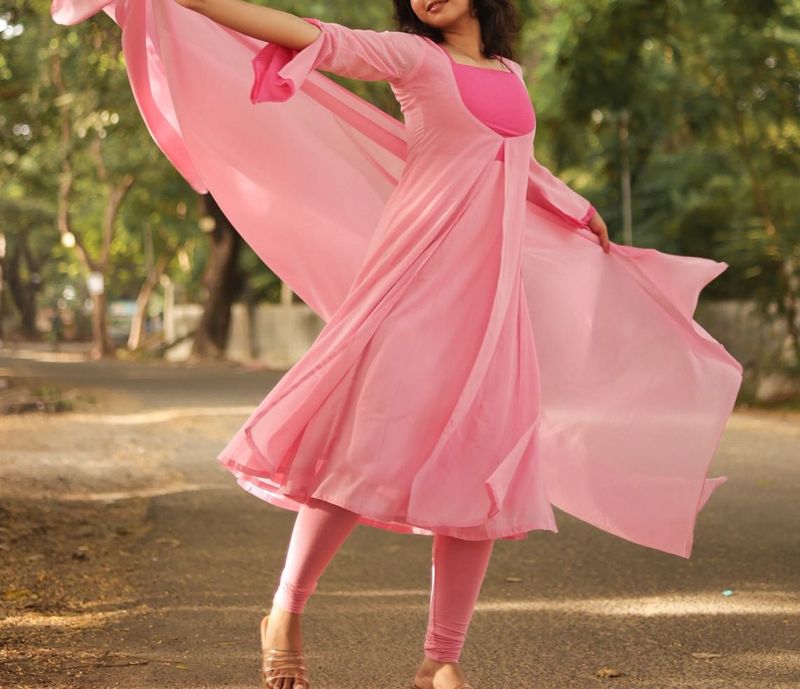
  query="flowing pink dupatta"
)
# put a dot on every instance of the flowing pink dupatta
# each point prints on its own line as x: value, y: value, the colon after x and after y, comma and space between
x: 635, y: 393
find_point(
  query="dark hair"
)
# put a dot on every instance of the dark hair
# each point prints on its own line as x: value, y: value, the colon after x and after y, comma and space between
x: 498, y: 20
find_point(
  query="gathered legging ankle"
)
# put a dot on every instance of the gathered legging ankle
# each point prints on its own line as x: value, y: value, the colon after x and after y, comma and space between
x: 458, y: 568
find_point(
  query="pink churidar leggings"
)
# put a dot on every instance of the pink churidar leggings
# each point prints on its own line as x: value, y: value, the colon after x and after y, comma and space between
x: 458, y: 568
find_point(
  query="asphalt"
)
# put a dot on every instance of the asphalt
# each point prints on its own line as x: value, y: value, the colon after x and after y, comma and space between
x: 195, y: 566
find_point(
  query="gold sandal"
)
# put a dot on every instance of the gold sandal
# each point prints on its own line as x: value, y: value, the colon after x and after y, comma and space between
x: 277, y: 663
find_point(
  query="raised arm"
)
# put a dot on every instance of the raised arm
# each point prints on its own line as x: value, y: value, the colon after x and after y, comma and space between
x: 264, y: 23
x: 550, y: 192
x: 296, y: 45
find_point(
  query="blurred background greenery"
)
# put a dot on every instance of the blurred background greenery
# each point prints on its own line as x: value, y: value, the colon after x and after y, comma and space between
x: 679, y: 119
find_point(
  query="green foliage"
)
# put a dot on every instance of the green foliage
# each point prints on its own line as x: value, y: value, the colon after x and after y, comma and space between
x: 711, y: 90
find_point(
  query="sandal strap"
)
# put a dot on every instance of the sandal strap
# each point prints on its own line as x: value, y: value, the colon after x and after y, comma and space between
x: 277, y: 674
x: 280, y: 663
x: 271, y: 661
x: 300, y: 682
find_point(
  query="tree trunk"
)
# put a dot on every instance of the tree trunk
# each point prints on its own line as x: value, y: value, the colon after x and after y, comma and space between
x: 101, y: 341
x: 224, y: 282
x: 143, y: 299
x: 23, y: 292
x: 625, y: 162
x: 115, y: 195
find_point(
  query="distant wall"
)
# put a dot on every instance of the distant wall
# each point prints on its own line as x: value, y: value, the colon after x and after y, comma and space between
x: 760, y: 342
x: 277, y: 335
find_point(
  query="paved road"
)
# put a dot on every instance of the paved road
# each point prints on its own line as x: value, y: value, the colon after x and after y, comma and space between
x: 134, y: 560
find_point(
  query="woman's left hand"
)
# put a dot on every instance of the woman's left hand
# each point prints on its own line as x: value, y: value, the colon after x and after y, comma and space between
x: 598, y: 226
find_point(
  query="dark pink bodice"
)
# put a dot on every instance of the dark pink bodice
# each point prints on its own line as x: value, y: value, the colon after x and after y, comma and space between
x: 498, y: 98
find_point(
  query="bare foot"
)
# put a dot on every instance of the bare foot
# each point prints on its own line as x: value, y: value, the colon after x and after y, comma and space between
x: 284, y: 631
x: 432, y: 674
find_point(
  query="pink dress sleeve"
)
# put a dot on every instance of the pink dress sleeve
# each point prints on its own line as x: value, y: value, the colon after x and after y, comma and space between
x: 363, y: 54
x: 551, y: 193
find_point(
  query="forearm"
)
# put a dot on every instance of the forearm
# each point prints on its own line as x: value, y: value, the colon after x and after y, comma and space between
x: 549, y: 191
x: 264, y: 23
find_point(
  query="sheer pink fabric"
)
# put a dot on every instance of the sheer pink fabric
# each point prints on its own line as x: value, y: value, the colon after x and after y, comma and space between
x: 483, y: 359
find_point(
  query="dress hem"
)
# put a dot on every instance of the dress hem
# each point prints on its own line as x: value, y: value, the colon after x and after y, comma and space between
x: 280, y: 497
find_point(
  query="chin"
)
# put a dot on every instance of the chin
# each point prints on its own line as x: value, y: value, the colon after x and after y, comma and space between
x: 439, y: 22
x: 436, y: 23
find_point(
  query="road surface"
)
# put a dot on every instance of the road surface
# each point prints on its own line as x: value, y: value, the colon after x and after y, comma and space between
x: 130, y: 558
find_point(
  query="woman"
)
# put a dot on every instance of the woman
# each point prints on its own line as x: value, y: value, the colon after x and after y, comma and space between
x: 482, y: 359
x: 321, y: 527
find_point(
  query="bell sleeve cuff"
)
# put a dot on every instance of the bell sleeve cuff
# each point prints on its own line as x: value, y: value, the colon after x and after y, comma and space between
x: 363, y: 54
x: 278, y: 70
x: 587, y: 216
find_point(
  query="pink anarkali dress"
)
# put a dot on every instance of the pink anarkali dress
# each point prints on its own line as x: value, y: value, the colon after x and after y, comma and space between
x: 483, y: 360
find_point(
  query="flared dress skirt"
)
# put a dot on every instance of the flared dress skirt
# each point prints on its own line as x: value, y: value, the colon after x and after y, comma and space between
x: 364, y: 447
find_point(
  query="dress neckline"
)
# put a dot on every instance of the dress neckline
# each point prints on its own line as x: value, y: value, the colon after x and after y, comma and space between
x: 506, y: 69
